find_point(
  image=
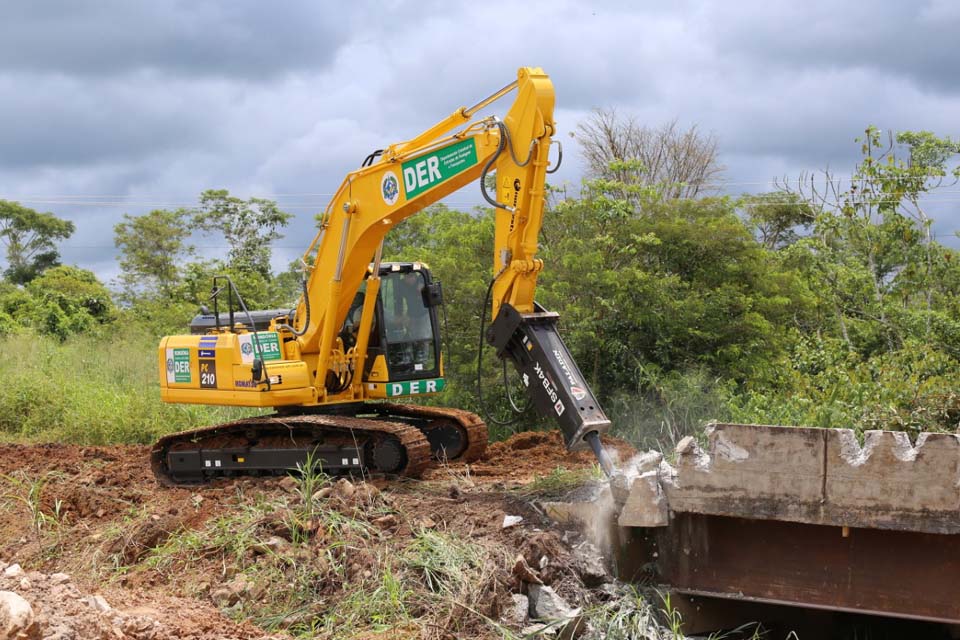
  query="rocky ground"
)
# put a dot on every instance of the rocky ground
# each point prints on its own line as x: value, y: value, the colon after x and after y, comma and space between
x: 92, y: 547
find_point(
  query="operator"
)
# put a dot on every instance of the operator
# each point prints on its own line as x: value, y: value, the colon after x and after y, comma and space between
x: 415, y: 314
x: 351, y: 325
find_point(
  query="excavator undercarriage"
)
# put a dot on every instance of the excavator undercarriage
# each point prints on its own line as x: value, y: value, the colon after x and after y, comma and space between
x: 365, y: 438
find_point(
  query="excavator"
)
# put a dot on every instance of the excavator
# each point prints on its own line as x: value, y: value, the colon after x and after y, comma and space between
x: 365, y: 332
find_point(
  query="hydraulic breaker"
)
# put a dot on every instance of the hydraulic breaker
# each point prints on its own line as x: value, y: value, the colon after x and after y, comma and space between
x: 551, y: 377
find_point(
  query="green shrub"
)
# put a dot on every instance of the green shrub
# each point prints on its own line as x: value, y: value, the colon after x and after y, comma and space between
x: 90, y: 389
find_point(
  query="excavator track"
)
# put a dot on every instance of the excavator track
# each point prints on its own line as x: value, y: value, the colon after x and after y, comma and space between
x: 443, y: 425
x: 267, y: 445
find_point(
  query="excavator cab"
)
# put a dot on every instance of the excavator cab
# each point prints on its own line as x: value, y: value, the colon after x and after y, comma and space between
x: 403, y: 356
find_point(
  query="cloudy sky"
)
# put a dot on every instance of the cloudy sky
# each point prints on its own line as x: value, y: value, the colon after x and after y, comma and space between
x: 119, y: 106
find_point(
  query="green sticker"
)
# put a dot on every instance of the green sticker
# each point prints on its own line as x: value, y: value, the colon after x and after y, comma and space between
x: 181, y: 365
x: 429, y: 170
x: 269, y: 346
x: 414, y: 387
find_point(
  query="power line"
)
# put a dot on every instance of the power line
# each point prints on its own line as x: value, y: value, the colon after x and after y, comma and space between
x: 68, y: 245
x: 192, y: 199
x: 772, y: 181
x: 321, y: 204
x: 318, y: 207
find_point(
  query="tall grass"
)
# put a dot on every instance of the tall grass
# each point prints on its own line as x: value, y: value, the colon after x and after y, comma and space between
x: 90, y: 389
x: 673, y: 405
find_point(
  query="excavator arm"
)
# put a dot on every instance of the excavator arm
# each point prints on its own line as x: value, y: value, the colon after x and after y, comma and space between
x: 412, y: 175
x: 408, y: 177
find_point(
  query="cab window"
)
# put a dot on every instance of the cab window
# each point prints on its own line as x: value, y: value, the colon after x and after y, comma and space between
x: 407, y: 324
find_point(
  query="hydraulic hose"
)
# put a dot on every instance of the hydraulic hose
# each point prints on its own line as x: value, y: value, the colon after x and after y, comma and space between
x: 483, y: 321
x: 559, y: 156
x: 306, y: 303
x: 486, y: 169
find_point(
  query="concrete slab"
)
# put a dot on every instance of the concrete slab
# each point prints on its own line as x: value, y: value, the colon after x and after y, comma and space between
x: 806, y: 475
x: 890, y: 483
x: 766, y: 471
x: 646, y: 504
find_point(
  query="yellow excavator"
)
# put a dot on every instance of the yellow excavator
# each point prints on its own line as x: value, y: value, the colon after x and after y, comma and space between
x: 365, y: 333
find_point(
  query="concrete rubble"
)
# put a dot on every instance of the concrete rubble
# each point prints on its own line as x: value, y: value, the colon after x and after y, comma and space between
x: 511, y: 521
x: 36, y: 605
x: 554, y: 614
x: 17, y: 620
x: 519, y: 610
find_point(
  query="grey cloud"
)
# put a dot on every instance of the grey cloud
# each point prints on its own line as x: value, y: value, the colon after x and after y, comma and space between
x: 61, y: 121
x: 595, y: 56
x: 159, y: 101
x: 247, y: 38
x: 914, y: 40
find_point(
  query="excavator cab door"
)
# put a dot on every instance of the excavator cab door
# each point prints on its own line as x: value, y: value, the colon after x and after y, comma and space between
x: 405, y: 345
x: 410, y: 325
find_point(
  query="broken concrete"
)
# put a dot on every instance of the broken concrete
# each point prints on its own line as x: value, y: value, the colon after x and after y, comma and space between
x: 98, y: 603
x: 581, y: 513
x: 17, y: 620
x: 589, y: 565
x: 806, y: 475
x: 645, y: 504
x: 13, y: 571
x: 519, y: 610
x: 546, y: 604
x: 511, y: 521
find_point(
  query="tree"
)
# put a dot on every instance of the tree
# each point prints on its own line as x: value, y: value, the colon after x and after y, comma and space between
x: 248, y: 226
x: 30, y: 239
x: 682, y: 163
x: 74, y: 288
x: 153, y: 250
x: 872, y: 254
x: 679, y: 285
x: 258, y: 291
x: 62, y: 301
x: 775, y: 217
x: 287, y: 286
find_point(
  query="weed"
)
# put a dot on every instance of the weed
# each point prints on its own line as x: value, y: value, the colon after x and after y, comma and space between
x: 391, y: 595
x: 674, y: 619
x: 227, y: 538
x: 29, y: 492
x: 311, y: 478
x: 631, y: 616
x: 444, y: 562
x: 560, y: 482
x: 106, y: 561
x: 376, y: 604
x: 454, y: 578
x: 753, y: 628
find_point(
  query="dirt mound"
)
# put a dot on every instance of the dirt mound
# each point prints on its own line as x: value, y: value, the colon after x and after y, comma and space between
x: 532, y: 453
x: 140, y: 539
x: 435, y: 558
